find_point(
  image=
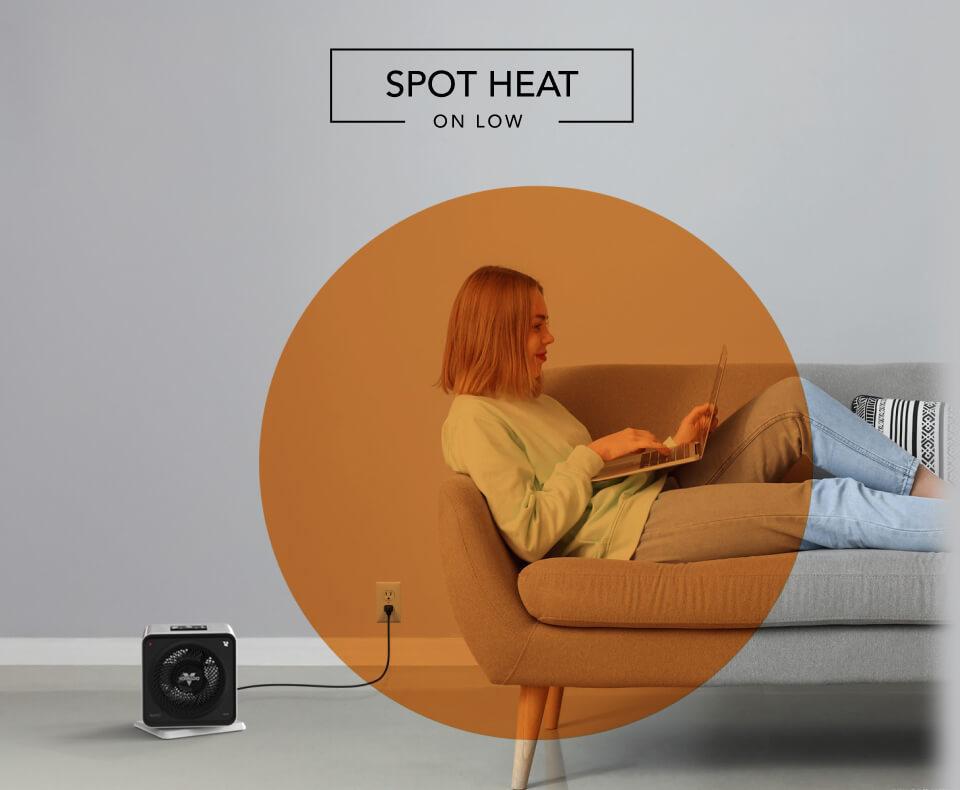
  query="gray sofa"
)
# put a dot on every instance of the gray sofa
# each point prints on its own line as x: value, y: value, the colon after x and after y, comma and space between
x: 861, y: 616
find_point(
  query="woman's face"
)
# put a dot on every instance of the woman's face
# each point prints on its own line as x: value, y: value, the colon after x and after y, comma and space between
x: 539, y: 336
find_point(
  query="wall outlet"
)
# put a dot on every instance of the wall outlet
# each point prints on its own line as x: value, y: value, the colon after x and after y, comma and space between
x: 388, y: 592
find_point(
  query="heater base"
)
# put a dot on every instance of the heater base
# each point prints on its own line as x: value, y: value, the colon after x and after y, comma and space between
x: 188, y: 732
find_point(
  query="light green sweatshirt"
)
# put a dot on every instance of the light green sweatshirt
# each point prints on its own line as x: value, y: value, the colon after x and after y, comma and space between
x: 530, y: 460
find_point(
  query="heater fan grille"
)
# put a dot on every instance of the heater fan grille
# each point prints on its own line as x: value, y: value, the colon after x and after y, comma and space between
x: 187, y: 681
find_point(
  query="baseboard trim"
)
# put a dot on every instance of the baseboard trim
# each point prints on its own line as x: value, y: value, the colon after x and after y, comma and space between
x: 251, y: 651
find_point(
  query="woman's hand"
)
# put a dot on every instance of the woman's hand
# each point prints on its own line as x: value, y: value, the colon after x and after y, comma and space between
x: 627, y: 441
x: 696, y: 424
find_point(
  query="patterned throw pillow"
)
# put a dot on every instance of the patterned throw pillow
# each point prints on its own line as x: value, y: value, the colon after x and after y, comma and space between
x: 921, y: 427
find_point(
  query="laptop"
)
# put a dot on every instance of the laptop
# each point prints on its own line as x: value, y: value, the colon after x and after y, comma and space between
x: 649, y: 460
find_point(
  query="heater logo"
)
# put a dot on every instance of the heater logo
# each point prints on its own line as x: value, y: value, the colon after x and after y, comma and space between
x: 188, y: 678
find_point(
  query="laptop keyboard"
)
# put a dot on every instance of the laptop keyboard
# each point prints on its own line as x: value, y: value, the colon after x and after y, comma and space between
x: 653, y: 457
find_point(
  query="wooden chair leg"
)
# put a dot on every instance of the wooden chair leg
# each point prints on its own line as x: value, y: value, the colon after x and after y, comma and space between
x: 533, y: 699
x: 551, y: 716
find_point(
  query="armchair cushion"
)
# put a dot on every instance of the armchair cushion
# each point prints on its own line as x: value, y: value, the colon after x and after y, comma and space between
x: 825, y: 587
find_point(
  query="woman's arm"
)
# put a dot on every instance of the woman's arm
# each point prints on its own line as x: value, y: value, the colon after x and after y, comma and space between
x: 532, y: 515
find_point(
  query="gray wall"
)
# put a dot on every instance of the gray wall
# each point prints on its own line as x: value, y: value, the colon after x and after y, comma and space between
x: 173, y: 196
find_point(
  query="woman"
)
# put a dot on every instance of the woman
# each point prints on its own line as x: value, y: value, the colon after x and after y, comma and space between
x: 533, y: 460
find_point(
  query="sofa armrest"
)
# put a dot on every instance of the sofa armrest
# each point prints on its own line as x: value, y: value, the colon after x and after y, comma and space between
x: 481, y: 575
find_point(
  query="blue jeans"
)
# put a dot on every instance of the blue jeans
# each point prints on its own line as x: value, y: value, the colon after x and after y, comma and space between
x: 733, y: 503
x: 866, y: 504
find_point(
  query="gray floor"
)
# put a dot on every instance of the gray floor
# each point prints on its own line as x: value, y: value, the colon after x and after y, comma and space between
x: 68, y: 727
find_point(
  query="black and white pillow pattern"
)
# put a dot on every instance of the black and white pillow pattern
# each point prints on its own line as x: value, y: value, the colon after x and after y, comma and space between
x: 921, y: 427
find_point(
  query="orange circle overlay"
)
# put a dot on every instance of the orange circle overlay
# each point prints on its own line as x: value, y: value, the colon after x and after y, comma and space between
x: 350, y: 454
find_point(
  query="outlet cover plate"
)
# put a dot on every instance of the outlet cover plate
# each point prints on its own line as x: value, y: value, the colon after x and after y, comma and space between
x: 388, y: 592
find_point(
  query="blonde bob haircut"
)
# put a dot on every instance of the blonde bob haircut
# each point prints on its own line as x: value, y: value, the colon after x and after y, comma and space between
x: 485, y: 352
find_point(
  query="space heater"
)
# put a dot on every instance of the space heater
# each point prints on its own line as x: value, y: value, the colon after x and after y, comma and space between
x: 189, y: 680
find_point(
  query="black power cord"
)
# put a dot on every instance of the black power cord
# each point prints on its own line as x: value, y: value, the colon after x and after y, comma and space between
x: 388, y: 610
